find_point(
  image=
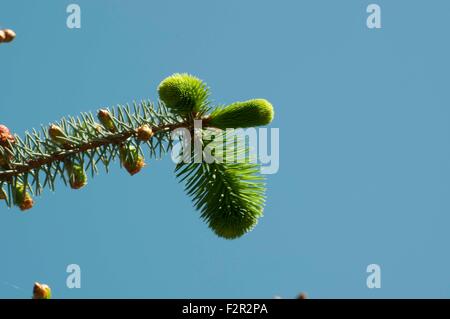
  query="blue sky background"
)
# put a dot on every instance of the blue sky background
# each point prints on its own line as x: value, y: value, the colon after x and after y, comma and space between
x: 364, y: 124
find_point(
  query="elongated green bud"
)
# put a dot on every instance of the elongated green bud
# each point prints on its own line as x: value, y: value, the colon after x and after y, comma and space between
x: 242, y: 114
x: 183, y: 93
x: 107, y: 120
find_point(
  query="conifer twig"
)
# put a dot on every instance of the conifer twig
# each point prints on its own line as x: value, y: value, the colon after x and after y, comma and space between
x: 230, y: 196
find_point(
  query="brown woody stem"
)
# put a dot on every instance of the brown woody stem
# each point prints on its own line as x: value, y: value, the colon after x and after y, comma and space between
x: 16, y: 169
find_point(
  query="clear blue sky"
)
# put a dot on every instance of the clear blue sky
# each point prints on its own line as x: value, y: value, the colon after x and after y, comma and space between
x: 364, y: 118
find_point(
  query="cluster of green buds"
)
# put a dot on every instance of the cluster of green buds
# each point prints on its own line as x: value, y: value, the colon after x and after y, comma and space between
x: 130, y: 158
x: 186, y: 94
x: 7, y: 35
x: 41, y: 291
x: 21, y: 197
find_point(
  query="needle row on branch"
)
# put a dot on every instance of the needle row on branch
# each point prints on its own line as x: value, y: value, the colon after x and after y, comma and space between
x: 229, y: 196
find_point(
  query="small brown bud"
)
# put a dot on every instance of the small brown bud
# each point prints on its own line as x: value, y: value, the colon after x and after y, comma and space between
x: 5, y: 136
x: 9, y: 35
x: 98, y: 127
x: 144, y: 133
x: 5, y: 139
x: 41, y: 291
x: 302, y: 295
x: 2, y: 36
x: 131, y: 160
x: 3, y: 195
x: 5, y: 158
x: 57, y: 135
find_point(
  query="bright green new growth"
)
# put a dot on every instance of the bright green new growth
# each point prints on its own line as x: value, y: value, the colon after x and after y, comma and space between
x: 183, y: 93
x: 250, y: 113
x: 19, y: 194
x: 229, y: 195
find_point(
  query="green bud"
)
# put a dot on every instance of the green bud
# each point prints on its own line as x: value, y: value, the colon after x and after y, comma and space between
x: 77, y: 175
x: 131, y: 159
x: 242, y: 114
x: 22, y: 198
x: 57, y: 135
x: 183, y: 93
x: 107, y: 120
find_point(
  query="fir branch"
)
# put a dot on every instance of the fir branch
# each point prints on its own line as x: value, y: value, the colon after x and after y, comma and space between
x: 38, y: 160
x: 230, y: 196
